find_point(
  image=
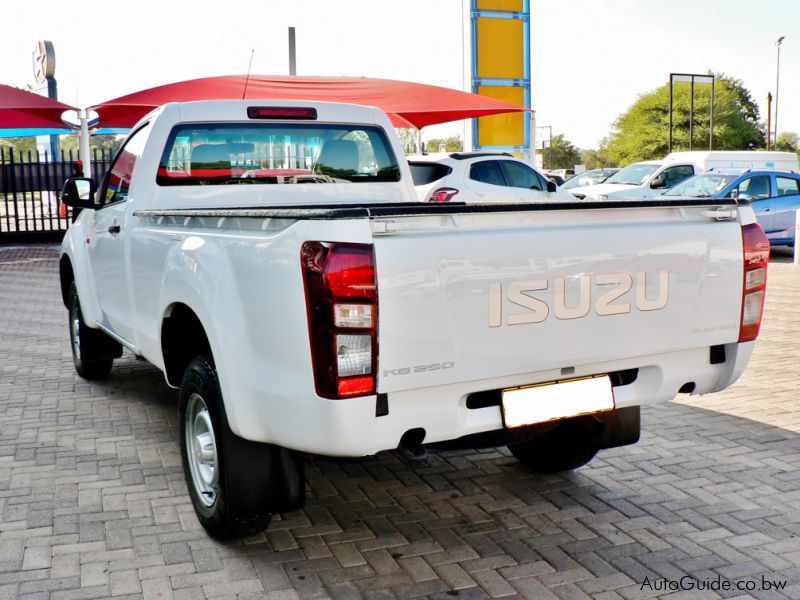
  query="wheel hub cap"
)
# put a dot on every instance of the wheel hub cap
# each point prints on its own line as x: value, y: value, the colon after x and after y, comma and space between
x: 76, y: 333
x: 201, y: 449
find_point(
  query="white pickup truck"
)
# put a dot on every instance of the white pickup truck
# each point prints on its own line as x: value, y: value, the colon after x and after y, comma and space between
x: 271, y: 258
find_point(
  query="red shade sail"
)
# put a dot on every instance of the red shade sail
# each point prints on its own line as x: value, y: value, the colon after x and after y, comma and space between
x: 20, y: 109
x: 406, y: 103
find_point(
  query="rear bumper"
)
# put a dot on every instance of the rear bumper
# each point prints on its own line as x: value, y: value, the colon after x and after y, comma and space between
x: 351, y: 428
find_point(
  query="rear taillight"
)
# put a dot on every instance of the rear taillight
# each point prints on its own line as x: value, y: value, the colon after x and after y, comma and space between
x: 342, y: 307
x: 756, y: 257
x: 443, y: 194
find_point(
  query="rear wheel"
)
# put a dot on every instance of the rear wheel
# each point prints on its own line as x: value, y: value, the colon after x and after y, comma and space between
x: 563, y: 448
x: 92, y: 350
x: 235, y: 484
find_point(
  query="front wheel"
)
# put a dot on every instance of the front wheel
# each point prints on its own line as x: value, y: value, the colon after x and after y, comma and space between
x: 235, y: 484
x: 563, y: 448
x: 92, y: 350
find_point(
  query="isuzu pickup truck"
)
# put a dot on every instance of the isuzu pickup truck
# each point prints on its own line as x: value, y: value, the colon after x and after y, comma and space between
x: 272, y: 259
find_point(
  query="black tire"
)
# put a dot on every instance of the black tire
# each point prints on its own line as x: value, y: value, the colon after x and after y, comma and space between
x: 563, y: 448
x: 92, y: 350
x: 236, y: 485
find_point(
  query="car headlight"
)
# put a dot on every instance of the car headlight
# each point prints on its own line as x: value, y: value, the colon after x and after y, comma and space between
x: 602, y: 197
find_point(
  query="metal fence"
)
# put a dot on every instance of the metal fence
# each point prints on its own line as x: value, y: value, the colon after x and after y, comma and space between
x: 30, y: 185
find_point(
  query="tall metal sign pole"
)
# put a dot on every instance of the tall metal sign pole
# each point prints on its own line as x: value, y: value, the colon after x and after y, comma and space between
x: 44, y: 70
x: 691, y: 78
x: 501, y: 68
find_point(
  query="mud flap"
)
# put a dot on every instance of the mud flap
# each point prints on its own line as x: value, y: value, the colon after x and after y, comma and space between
x: 272, y: 477
x: 618, y: 427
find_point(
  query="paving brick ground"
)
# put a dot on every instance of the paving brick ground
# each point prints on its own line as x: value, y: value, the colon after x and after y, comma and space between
x: 93, y: 502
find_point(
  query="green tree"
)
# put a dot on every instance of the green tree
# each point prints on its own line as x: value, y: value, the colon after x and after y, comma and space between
x: 451, y: 144
x: 787, y: 142
x: 100, y: 143
x: 596, y: 159
x: 108, y: 143
x: 16, y: 145
x: 408, y: 139
x: 559, y: 153
x: 642, y: 132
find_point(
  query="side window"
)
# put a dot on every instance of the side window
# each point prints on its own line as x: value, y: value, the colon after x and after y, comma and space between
x: 674, y: 175
x: 487, y: 171
x: 755, y: 188
x: 788, y: 186
x: 521, y: 176
x: 118, y: 180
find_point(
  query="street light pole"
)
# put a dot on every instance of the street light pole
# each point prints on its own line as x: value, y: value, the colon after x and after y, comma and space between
x: 769, y: 120
x: 292, y: 52
x: 549, y: 144
x: 778, y: 43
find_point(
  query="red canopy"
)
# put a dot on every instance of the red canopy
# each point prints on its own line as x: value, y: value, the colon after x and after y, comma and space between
x: 20, y: 109
x: 406, y: 103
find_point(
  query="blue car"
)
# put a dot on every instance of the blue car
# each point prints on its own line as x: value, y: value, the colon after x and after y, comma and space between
x: 774, y: 195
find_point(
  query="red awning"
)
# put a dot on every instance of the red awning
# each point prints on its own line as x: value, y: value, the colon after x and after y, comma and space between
x: 20, y: 109
x: 406, y: 103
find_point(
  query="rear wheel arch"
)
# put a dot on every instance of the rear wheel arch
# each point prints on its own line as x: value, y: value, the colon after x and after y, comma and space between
x: 183, y: 337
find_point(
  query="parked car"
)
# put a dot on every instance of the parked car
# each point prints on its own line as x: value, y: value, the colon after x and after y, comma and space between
x: 333, y: 313
x: 591, y: 177
x: 557, y: 179
x: 649, y: 179
x: 479, y: 177
x: 563, y: 174
x: 774, y: 196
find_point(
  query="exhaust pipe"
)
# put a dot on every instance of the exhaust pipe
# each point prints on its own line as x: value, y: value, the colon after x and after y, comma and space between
x: 411, y: 447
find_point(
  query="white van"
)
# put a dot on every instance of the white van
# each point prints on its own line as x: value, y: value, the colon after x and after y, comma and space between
x: 649, y: 179
x: 723, y: 159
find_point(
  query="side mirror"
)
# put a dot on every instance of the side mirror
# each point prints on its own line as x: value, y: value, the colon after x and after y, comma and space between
x: 735, y: 193
x: 79, y: 192
x: 658, y: 182
x: 551, y: 186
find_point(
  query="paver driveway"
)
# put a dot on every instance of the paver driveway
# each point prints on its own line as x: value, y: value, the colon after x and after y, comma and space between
x: 93, y: 502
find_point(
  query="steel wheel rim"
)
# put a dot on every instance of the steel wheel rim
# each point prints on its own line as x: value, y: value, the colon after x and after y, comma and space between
x: 201, y: 449
x: 75, y: 329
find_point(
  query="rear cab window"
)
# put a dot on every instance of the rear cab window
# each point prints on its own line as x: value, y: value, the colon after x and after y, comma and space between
x: 268, y: 153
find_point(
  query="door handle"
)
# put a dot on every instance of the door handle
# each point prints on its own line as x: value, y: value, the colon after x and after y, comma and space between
x: 113, y: 229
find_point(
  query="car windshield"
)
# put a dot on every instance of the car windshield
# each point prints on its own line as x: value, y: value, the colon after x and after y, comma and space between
x: 585, y: 178
x: 634, y: 174
x: 236, y: 153
x: 701, y: 186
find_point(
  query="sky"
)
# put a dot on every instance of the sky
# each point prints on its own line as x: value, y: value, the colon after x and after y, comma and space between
x: 590, y: 58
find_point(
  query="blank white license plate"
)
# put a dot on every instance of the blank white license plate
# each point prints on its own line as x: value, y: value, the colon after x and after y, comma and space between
x: 547, y: 402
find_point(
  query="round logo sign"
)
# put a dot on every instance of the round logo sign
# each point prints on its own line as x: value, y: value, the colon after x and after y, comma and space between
x: 44, y: 60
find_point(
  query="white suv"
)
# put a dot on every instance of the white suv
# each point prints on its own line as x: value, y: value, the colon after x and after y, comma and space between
x: 479, y: 177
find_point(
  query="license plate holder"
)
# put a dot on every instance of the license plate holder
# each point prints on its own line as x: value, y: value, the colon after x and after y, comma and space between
x: 540, y: 403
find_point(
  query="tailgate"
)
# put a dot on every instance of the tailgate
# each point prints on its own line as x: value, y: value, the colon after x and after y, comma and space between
x: 467, y: 297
